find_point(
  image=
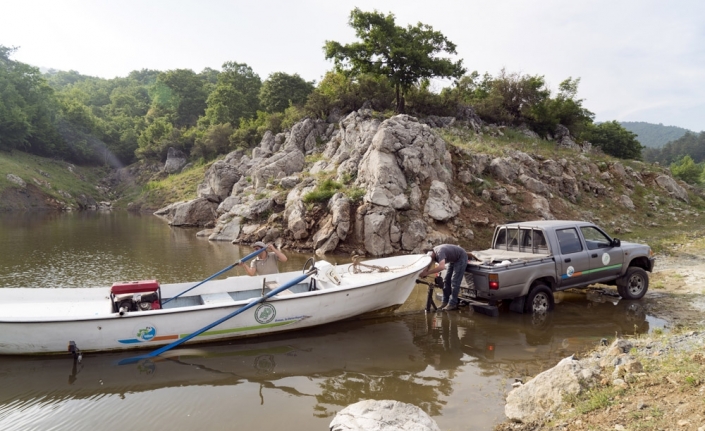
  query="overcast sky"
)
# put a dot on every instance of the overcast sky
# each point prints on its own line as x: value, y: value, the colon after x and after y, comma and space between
x: 638, y: 60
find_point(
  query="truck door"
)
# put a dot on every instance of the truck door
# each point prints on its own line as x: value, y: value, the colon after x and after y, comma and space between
x: 605, y: 260
x: 574, y: 259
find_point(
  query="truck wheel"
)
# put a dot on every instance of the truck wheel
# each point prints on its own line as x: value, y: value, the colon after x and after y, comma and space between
x: 539, y: 300
x: 634, y: 284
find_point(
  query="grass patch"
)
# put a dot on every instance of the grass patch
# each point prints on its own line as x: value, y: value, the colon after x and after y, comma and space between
x: 674, y: 378
x: 594, y: 399
x: 174, y: 188
x: 323, y: 192
x: 51, y: 175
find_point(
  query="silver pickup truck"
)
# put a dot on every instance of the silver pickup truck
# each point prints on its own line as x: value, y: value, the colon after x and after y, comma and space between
x: 529, y: 261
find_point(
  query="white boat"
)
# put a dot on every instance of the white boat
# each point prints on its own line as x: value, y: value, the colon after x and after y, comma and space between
x: 147, y: 315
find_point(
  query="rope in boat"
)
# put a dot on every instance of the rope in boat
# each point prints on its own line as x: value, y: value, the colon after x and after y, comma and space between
x: 358, y: 267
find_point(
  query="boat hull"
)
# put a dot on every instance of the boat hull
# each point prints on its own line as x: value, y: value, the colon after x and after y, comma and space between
x: 24, y: 332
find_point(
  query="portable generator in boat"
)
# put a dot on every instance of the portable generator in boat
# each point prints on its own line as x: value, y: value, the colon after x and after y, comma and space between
x: 140, y: 295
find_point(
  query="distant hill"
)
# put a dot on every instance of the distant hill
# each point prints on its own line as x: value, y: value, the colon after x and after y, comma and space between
x: 654, y: 135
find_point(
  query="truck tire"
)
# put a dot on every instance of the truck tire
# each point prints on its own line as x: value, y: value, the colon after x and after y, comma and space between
x: 634, y: 284
x: 539, y: 300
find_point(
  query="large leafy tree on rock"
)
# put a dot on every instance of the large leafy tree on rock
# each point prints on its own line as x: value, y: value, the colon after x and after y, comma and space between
x: 404, y: 55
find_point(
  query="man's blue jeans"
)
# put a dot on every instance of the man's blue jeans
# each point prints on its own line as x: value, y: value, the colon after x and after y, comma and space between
x: 454, y: 276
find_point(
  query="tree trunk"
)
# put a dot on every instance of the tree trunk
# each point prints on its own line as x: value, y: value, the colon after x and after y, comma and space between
x: 400, y: 100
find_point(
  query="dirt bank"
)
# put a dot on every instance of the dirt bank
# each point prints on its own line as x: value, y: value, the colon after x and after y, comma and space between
x: 669, y: 393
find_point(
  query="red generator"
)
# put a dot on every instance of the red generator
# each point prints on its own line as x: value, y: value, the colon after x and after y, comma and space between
x: 140, y: 295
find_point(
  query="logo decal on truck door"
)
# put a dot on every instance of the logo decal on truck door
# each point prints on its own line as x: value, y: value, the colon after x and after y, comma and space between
x: 570, y: 271
x: 605, y: 259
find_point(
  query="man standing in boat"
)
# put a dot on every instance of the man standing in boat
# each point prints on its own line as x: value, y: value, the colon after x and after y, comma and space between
x: 266, y: 262
x: 454, y: 260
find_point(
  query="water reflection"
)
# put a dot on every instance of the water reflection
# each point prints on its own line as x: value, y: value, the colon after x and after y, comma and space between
x: 90, y: 249
x: 437, y: 361
x: 452, y: 365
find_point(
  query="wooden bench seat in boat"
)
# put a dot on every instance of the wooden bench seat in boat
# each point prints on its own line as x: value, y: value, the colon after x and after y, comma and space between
x: 218, y: 298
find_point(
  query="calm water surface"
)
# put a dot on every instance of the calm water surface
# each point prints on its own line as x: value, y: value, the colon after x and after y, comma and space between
x: 457, y: 367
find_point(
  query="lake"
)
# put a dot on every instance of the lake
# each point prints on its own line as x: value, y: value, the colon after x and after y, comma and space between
x: 458, y: 366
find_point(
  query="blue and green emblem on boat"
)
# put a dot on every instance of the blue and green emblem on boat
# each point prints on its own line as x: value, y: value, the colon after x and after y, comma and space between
x: 265, y: 313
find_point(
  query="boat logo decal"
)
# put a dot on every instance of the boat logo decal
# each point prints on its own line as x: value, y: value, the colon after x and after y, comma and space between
x: 605, y: 259
x: 265, y: 313
x: 146, y: 333
x: 570, y: 271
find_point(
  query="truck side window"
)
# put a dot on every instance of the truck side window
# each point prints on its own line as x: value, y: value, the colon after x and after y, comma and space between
x: 594, y: 238
x: 569, y: 240
x: 501, y: 240
x: 539, y: 240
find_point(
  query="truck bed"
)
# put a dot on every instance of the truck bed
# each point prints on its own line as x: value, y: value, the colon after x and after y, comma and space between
x: 496, y: 257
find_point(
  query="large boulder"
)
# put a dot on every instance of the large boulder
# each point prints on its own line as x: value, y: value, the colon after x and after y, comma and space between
x: 382, y: 415
x: 671, y: 186
x: 542, y: 395
x: 175, y: 160
x: 439, y: 205
x: 505, y: 169
x: 227, y: 231
x: 219, y: 180
x: 335, y: 227
x: 198, y: 212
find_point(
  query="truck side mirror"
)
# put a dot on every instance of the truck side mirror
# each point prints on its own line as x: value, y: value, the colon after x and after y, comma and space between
x: 616, y: 242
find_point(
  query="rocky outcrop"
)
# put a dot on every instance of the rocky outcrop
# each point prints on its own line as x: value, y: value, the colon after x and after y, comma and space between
x: 375, y: 186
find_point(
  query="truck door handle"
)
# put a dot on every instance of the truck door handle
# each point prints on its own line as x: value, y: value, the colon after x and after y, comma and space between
x: 594, y: 255
x: 567, y: 260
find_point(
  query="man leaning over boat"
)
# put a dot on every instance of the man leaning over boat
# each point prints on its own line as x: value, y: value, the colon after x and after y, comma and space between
x: 266, y: 262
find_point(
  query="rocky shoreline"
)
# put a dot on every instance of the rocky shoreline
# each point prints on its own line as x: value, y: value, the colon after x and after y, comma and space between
x: 373, y: 186
x: 624, y: 371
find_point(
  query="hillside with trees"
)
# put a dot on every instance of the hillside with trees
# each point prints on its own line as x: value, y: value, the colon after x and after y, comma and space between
x: 95, y: 121
x: 653, y: 135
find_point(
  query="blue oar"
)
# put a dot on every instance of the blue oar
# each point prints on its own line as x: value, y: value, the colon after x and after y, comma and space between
x: 244, y: 259
x: 217, y: 322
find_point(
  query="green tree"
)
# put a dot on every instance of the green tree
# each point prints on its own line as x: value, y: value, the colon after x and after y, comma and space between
x: 213, y: 141
x: 155, y: 140
x: 565, y: 109
x: 281, y: 90
x: 404, y: 55
x: 613, y: 139
x: 235, y: 96
x: 27, y: 108
x: 186, y: 95
x: 687, y: 170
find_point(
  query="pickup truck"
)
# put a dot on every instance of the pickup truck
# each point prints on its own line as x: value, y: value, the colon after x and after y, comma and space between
x: 529, y: 261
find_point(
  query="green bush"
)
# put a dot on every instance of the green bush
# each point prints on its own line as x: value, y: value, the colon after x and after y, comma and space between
x: 346, y: 94
x: 613, y: 139
x: 687, y: 170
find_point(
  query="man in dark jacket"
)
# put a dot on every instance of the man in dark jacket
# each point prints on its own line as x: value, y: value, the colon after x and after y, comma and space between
x: 454, y: 260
